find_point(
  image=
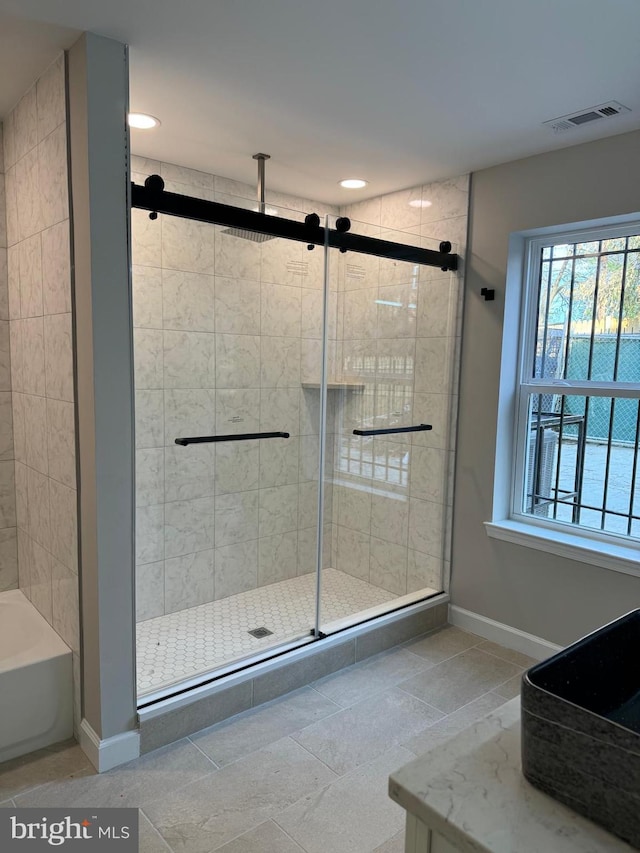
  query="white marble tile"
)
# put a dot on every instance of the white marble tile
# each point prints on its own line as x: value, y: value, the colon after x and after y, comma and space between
x: 30, y: 260
x: 307, y: 550
x: 367, y: 212
x: 277, y: 557
x: 284, y: 262
x: 187, y: 245
x: 3, y: 217
x: 28, y: 196
x: 6, y: 426
x: 237, y: 466
x: 237, y: 361
x: 447, y: 199
x: 22, y: 502
x: 188, y: 581
x: 236, y: 568
x: 50, y: 98
x: 426, y: 527
x: 11, y: 206
x: 388, y: 566
x: 397, y: 211
x: 189, y: 472
x: 149, y: 590
x: 437, y: 307
x: 65, y: 606
x: 427, y: 477
x: 147, y: 296
x: 13, y: 281
x: 8, y: 141
x: 278, y: 510
x: 354, y: 507
x: 149, y: 476
x: 397, y: 307
x: 423, y: 570
x: 25, y: 124
x: 280, y: 310
x: 148, y: 358
x: 188, y: 301
x: 149, y: 533
x: 188, y: 526
x: 237, y: 411
x: 64, y: 524
x: 237, y: 306
x: 432, y: 369
x: 39, y: 507
x: 33, y: 356
x: 236, y: 258
x: 35, y: 426
x: 353, y: 552
x: 360, y: 314
x: 145, y: 165
x: 40, y: 574
x: 432, y: 409
x: 390, y: 517
x: 149, y: 416
x: 58, y: 357
x: 188, y: 412
x: 280, y: 362
x: 280, y: 410
x: 236, y: 518
x: 191, y: 177
x: 308, y: 504
x: 8, y: 558
x: 146, y: 249
x: 24, y: 562
x: 189, y: 360
x: 278, y: 462
x: 52, y: 176
x: 56, y: 269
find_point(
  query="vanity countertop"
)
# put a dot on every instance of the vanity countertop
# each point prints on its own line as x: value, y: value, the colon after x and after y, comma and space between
x: 471, y: 790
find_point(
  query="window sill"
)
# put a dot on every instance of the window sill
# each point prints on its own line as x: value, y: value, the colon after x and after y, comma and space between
x: 606, y: 555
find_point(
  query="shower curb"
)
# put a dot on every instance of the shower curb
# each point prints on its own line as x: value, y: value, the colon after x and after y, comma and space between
x: 166, y: 723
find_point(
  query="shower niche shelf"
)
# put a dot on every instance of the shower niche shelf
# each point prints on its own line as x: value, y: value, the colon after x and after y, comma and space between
x: 337, y: 385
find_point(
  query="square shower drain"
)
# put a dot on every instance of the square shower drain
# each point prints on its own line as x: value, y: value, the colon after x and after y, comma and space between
x: 259, y: 633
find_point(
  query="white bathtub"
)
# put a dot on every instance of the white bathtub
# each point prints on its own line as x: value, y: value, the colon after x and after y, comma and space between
x: 36, y: 680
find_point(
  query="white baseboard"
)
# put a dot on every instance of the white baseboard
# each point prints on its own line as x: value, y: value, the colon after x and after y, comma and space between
x: 498, y: 632
x: 108, y: 753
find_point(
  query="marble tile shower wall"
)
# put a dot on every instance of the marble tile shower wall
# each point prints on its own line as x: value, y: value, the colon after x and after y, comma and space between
x: 39, y: 311
x: 8, y: 534
x: 226, y: 333
x: 399, y: 334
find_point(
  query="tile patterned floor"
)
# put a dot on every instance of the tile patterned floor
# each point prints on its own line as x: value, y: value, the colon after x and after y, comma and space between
x: 183, y: 644
x: 306, y: 773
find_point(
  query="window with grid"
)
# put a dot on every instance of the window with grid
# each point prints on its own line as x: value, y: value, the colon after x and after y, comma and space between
x: 578, y: 401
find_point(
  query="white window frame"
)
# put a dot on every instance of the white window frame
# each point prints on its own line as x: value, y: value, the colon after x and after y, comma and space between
x: 509, y: 522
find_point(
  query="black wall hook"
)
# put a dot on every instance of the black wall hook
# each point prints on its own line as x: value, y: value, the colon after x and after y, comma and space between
x: 489, y: 294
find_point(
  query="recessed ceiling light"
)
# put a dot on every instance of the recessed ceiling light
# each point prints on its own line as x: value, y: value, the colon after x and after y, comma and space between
x: 353, y: 183
x: 419, y: 202
x: 142, y: 121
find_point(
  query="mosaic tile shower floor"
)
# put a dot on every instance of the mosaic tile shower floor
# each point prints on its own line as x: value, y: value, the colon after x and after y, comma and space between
x: 181, y: 645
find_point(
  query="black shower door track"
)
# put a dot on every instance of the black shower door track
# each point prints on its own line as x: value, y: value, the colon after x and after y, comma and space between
x: 187, y: 207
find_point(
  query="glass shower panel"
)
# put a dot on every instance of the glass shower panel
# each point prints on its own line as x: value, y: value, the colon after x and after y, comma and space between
x: 227, y: 337
x: 392, y: 370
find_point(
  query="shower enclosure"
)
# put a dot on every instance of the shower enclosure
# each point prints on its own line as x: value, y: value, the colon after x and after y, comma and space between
x: 293, y: 416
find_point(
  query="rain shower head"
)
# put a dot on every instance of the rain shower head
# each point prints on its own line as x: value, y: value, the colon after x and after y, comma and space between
x: 243, y: 233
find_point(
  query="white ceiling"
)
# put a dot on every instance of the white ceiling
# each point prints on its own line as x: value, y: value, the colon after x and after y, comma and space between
x: 399, y: 92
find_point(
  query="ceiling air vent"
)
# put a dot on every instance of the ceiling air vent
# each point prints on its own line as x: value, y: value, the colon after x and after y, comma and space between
x: 608, y: 110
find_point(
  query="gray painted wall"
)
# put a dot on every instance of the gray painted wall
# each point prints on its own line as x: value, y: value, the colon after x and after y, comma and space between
x: 546, y: 595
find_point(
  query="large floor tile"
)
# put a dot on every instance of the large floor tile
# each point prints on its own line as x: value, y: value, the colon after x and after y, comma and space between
x: 354, y: 815
x: 7, y: 804
x: 232, y: 739
x: 150, y: 839
x: 132, y: 784
x: 511, y: 688
x: 507, y: 654
x: 394, y: 845
x: 213, y: 811
x: 266, y: 838
x: 446, y: 643
x: 38, y: 768
x: 455, y: 682
x: 362, y: 732
x: 454, y: 723
x: 374, y: 675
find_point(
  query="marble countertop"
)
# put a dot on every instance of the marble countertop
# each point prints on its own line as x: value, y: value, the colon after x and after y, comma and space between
x: 471, y: 790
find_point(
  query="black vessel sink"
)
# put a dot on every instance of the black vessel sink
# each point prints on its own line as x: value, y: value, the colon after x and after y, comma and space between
x: 581, y: 726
